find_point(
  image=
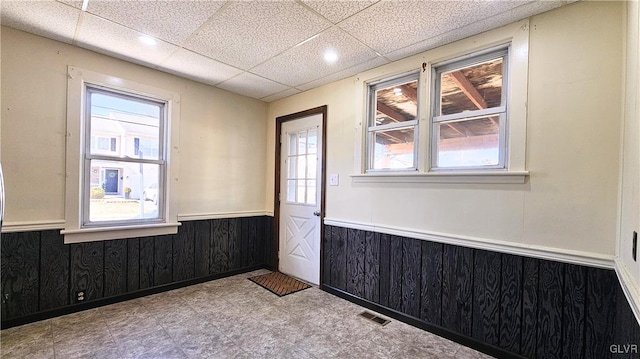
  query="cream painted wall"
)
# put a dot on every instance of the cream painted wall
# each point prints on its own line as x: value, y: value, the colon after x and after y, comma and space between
x: 569, y: 202
x: 630, y: 194
x: 221, y: 133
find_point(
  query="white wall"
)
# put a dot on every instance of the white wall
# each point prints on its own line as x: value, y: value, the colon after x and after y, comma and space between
x: 221, y: 135
x: 568, y: 204
x: 630, y: 193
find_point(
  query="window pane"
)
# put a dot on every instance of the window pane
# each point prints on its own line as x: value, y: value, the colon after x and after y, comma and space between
x: 469, y: 143
x: 292, y: 165
x: 302, y: 142
x: 302, y: 191
x: 393, y: 149
x: 313, y: 141
x: 291, y: 190
x: 124, y: 127
x: 312, y: 163
x: 123, y: 191
x: 471, y: 88
x: 396, y: 103
x: 311, y: 192
x: 293, y: 144
x: 302, y: 166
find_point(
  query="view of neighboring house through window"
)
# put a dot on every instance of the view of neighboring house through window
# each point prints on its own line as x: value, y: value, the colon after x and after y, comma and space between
x: 392, y: 123
x: 124, y: 162
x: 469, y: 113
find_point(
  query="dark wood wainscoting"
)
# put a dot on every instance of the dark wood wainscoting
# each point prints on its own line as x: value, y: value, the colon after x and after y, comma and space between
x: 41, y: 276
x: 504, y: 305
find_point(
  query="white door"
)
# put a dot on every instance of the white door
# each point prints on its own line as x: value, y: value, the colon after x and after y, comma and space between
x: 300, y: 193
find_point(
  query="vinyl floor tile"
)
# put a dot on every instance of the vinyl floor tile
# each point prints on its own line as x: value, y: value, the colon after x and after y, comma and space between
x: 227, y: 318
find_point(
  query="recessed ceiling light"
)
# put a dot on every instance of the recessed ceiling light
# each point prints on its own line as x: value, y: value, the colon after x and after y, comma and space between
x: 147, y: 40
x: 330, y: 56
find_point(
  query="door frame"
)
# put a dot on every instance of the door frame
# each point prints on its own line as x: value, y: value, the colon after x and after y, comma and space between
x: 274, y: 261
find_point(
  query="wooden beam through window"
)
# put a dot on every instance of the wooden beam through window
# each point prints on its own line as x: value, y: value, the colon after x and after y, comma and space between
x: 470, y: 91
x: 388, y: 111
x: 410, y: 93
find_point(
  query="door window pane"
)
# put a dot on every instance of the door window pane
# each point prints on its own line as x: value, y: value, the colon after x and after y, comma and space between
x: 311, y: 192
x: 302, y: 163
x: 312, y: 140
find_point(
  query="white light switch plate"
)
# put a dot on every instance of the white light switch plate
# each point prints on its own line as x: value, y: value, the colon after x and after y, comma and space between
x: 333, y: 179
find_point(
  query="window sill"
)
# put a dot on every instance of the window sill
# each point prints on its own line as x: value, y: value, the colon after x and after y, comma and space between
x: 108, y: 233
x: 517, y: 177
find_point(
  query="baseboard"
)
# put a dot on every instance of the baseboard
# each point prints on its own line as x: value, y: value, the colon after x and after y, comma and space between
x: 5, y: 324
x: 435, y: 329
x: 630, y: 291
x: 533, y: 251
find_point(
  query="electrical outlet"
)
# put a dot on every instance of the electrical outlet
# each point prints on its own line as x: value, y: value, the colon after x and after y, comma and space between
x: 634, y: 252
x: 80, y: 296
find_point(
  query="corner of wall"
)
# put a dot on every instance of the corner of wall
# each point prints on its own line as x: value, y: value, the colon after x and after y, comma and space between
x: 627, y: 268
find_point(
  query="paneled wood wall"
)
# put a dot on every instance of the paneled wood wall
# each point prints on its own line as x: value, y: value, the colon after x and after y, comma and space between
x: 532, y: 307
x: 40, y: 273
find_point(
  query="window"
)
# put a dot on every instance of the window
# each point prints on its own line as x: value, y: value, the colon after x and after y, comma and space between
x: 302, y: 166
x: 392, y: 123
x: 469, y: 114
x: 122, y: 142
x: 453, y: 114
x: 124, y: 174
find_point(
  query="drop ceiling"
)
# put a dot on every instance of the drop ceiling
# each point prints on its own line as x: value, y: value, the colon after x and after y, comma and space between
x: 265, y: 49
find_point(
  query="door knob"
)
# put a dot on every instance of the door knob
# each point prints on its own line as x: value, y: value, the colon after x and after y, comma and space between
x: 316, y: 213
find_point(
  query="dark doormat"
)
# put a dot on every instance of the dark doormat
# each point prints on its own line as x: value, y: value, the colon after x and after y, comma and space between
x: 279, y: 284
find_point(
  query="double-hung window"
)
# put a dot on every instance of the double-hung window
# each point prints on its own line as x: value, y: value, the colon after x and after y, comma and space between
x: 117, y: 182
x: 393, y: 123
x: 122, y: 158
x: 456, y: 113
x: 469, y: 113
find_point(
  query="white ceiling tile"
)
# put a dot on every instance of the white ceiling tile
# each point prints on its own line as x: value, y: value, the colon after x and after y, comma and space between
x: 172, y: 21
x: 110, y: 38
x: 306, y: 63
x: 246, y: 33
x: 75, y: 3
x: 198, y: 68
x: 280, y: 95
x: 336, y: 11
x: 260, y: 35
x: 391, y: 25
x: 47, y: 18
x: 252, y: 85
x: 522, y: 12
x: 378, y: 61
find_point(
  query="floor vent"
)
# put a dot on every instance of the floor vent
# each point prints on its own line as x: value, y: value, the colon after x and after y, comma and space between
x: 375, y: 318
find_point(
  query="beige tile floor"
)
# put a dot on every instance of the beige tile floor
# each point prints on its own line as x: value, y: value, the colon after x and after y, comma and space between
x: 226, y: 318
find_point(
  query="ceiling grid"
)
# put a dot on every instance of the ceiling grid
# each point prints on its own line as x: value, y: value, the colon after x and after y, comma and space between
x: 264, y: 49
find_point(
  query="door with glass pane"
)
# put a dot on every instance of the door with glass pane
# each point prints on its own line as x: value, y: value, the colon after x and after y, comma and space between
x: 300, y: 195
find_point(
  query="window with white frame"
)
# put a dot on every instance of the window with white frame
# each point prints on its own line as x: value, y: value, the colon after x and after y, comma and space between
x: 121, y: 156
x: 469, y: 112
x: 393, y: 123
x: 118, y: 194
x: 464, y: 122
